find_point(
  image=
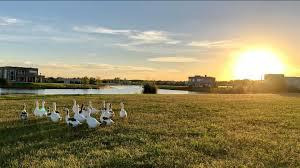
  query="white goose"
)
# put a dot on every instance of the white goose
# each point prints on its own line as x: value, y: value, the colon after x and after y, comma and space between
x: 110, y: 110
x: 75, y: 106
x: 55, y: 117
x: 37, y: 111
x: 91, y: 121
x: 43, y: 110
x: 78, y: 116
x: 103, y: 109
x: 123, y: 113
x: 106, y: 116
x: 84, y: 111
x: 71, y: 121
x: 24, y: 114
x: 92, y: 108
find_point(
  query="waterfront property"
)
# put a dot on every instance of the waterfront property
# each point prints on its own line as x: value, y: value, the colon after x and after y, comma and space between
x: 293, y: 82
x: 202, y: 81
x: 275, y: 79
x: 20, y: 74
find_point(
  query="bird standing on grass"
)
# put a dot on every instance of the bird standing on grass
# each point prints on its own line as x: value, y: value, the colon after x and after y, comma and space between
x: 24, y: 114
x: 91, y: 121
x: 75, y: 106
x: 106, y: 116
x: 79, y: 116
x: 71, y: 121
x: 43, y: 110
x: 123, y: 113
x: 94, y: 110
x: 55, y: 117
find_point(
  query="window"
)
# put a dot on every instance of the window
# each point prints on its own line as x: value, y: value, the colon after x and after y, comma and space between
x: 33, y: 72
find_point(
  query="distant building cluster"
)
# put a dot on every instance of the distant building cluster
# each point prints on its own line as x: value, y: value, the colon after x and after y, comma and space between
x: 20, y: 74
x: 291, y: 82
x: 202, y: 81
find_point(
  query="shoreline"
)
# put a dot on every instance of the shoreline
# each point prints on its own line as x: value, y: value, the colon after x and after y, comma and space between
x: 35, y: 86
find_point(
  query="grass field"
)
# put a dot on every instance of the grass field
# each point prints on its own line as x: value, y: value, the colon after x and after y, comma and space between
x: 206, y: 130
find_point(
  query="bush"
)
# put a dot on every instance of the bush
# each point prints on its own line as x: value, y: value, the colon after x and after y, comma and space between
x: 150, y: 88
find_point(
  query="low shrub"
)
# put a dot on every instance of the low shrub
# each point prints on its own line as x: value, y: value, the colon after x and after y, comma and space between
x: 149, y: 88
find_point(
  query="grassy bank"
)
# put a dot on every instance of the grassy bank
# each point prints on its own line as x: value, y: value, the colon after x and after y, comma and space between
x: 229, y: 90
x: 207, y: 130
x: 186, y: 88
x: 51, y: 86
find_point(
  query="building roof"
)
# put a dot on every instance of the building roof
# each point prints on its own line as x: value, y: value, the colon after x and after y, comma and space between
x: 18, y: 67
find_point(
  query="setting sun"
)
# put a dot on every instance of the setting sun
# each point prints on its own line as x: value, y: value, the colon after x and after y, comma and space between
x: 253, y: 64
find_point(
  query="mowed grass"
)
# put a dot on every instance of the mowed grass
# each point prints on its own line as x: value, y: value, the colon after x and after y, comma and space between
x: 205, y: 130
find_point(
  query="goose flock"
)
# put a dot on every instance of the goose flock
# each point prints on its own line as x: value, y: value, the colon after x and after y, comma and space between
x: 81, y: 115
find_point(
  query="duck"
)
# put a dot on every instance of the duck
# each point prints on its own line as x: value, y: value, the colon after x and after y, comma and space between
x: 105, y: 117
x: 123, y: 113
x: 75, y: 106
x: 37, y: 111
x: 91, y: 121
x: 24, y: 114
x: 43, y: 110
x: 79, y: 116
x: 92, y: 108
x: 71, y: 121
x: 55, y: 117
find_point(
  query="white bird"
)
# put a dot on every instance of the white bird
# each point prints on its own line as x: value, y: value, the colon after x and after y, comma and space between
x: 71, y: 121
x: 103, y: 107
x: 109, y: 107
x: 92, y: 108
x: 55, y: 117
x: 84, y: 111
x: 78, y: 116
x: 75, y: 106
x: 123, y: 113
x: 37, y: 111
x: 43, y: 110
x: 24, y: 114
x: 91, y: 121
x: 106, y: 116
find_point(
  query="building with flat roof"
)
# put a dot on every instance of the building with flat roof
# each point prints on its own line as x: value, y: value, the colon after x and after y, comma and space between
x: 19, y: 74
x: 293, y: 82
x: 202, y: 81
x: 289, y: 82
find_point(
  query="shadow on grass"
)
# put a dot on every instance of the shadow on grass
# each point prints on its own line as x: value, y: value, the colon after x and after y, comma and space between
x: 21, y: 138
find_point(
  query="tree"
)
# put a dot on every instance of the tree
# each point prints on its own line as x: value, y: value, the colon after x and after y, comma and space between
x: 93, y: 81
x: 85, y: 80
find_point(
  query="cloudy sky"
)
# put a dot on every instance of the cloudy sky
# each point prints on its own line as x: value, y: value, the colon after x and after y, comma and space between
x: 145, y: 40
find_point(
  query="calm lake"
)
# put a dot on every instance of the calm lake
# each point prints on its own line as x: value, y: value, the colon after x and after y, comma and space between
x: 108, y: 90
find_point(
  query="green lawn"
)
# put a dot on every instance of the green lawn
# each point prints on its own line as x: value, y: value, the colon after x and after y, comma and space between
x: 205, y: 130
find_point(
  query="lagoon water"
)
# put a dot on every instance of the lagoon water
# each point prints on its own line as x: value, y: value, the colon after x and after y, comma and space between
x: 109, y: 90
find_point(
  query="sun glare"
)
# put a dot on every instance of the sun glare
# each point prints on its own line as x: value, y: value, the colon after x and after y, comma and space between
x: 254, y: 64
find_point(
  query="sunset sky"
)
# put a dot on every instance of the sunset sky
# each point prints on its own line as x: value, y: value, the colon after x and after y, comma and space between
x: 151, y: 40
